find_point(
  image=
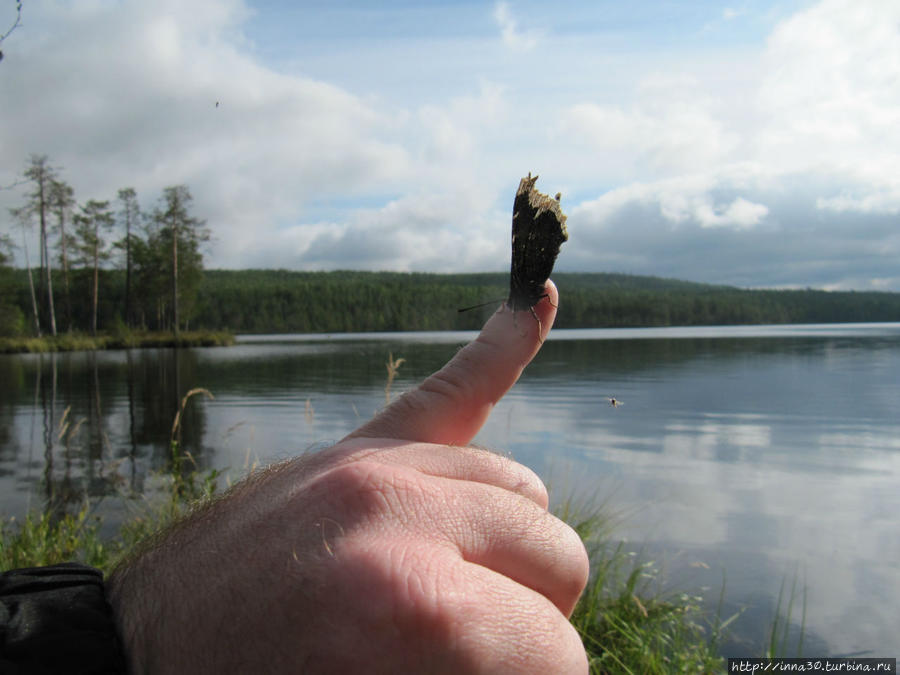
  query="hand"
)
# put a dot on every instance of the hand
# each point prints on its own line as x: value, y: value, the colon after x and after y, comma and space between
x: 398, y: 550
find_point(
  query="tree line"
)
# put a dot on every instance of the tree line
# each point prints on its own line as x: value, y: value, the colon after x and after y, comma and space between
x: 159, y: 252
x: 280, y: 301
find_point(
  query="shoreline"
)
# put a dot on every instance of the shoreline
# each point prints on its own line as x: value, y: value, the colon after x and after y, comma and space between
x: 71, y: 342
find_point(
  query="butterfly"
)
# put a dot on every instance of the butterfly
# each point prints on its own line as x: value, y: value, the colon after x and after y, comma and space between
x: 538, y: 230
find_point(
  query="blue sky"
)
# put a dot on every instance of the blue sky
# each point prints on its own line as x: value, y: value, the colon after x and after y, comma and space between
x: 755, y: 144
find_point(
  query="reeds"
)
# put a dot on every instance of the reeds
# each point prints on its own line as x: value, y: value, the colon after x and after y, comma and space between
x: 393, y: 366
x: 780, y: 631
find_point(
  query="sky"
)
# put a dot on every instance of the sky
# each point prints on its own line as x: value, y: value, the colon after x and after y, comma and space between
x: 754, y: 144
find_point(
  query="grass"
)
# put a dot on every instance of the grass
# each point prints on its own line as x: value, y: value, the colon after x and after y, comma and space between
x: 780, y: 631
x: 626, y: 625
x: 47, y: 538
x: 68, y: 342
x: 41, y: 539
x: 393, y: 365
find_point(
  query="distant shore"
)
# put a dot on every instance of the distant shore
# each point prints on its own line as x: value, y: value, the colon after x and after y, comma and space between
x: 265, y: 302
x: 70, y: 342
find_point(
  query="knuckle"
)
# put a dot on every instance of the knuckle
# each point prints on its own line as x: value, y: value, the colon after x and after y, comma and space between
x: 369, y: 490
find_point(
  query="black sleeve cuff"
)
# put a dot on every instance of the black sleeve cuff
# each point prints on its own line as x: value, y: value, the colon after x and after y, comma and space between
x: 56, y: 620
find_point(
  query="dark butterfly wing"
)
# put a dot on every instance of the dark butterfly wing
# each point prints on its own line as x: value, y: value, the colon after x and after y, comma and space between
x: 538, y: 230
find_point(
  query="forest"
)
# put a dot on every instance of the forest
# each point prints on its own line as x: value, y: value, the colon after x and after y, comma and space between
x: 281, y: 301
x: 275, y: 301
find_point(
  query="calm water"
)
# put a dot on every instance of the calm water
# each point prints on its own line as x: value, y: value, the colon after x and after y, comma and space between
x: 751, y: 455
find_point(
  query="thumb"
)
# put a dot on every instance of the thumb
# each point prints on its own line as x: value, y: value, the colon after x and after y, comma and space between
x: 450, y: 406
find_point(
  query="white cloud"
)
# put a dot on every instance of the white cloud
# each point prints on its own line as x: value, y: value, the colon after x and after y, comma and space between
x: 699, y: 208
x: 513, y: 37
x: 433, y: 232
x: 740, y: 213
x: 830, y: 96
x: 675, y: 137
x: 871, y: 199
x: 454, y: 132
x: 706, y: 200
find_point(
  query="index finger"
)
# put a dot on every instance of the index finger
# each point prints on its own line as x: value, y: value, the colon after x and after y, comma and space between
x: 451, y: 405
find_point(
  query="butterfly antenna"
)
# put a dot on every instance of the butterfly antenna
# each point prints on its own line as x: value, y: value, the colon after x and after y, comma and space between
x: 480, y: 304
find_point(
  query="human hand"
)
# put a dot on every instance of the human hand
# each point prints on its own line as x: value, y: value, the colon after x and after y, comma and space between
x: 399, y: 549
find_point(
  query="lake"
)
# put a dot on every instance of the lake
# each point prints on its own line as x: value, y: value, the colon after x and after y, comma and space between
x: 746, y: 456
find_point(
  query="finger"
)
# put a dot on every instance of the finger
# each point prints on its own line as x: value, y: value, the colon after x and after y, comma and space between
x: 514, y: 537
x: 442, y: 461
x: 450, y: 406
x: 529, y: 636
x: 465, y: 617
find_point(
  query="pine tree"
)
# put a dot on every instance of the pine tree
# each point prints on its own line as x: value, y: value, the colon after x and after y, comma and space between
x: 129, y: 217
x: 95, y: 217
x: 61, y: 203
x: 42, y: 175
x: 183, y: 234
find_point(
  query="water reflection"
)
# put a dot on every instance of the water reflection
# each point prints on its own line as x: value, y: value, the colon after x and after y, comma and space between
x: 89, y: 425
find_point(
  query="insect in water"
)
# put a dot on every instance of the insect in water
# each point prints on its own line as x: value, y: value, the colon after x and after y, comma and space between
x: 614, y: 402
x: 538, y: 230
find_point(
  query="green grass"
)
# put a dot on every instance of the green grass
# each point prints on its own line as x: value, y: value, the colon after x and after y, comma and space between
x: 41, y: 539
x: 626, y: 625
x: 47, y: 538
x: 780, y: 631
x: 68, y: 342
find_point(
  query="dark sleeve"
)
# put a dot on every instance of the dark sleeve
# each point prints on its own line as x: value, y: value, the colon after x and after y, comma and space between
x: 56, y: 620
